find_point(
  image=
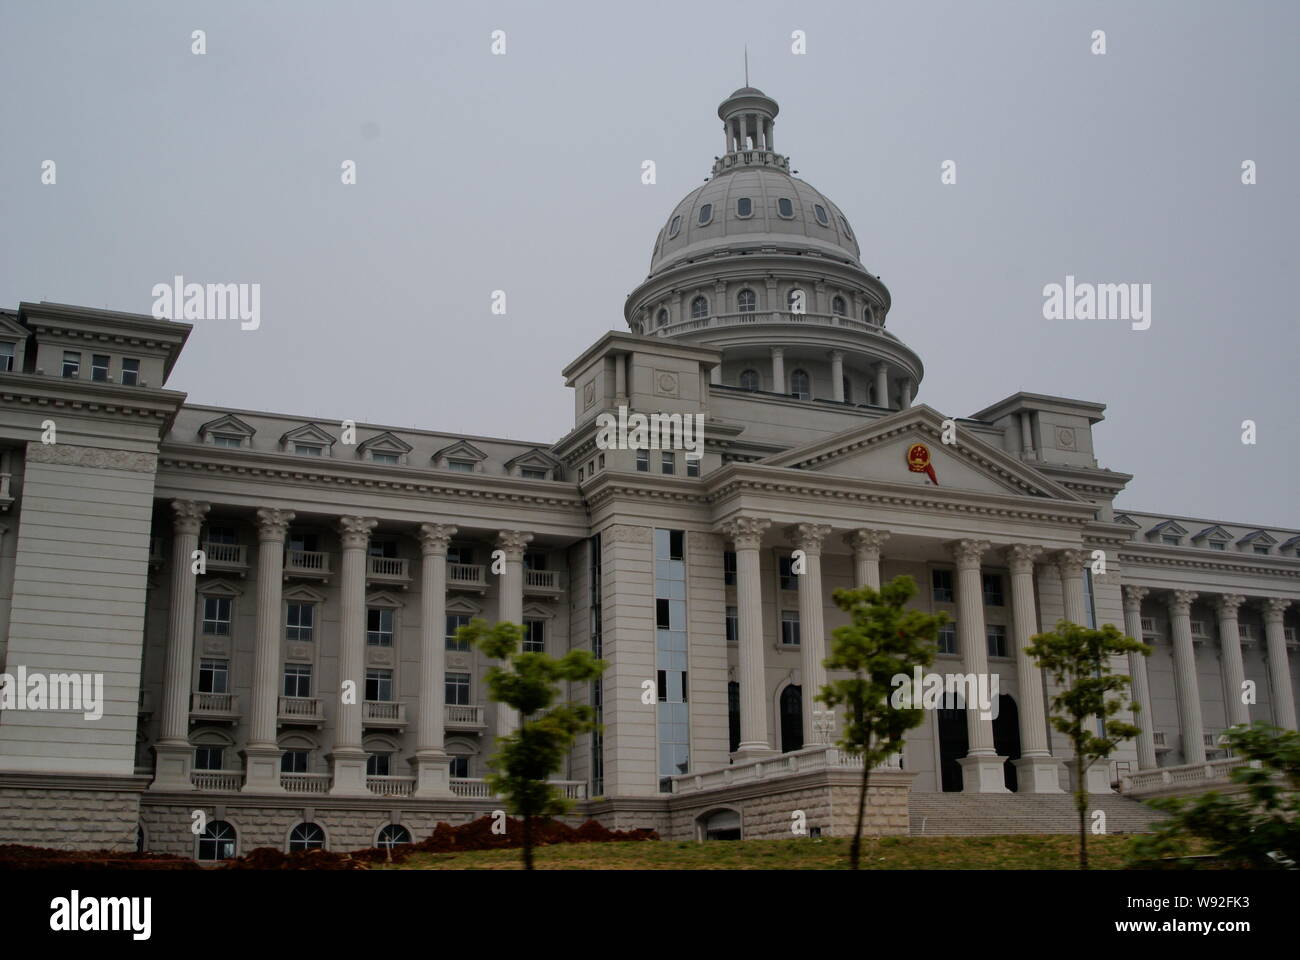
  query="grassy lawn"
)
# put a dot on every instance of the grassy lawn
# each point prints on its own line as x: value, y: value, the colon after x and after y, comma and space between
x: 888, y: 853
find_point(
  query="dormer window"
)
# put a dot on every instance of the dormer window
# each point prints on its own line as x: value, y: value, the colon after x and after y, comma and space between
x: 706, y: 213
x: 820, y: 213
x: 308, y: 450
x: 461, y: 466
x: 675, y: 227
x: 785, y: 208
x: 392, y: 459
x: 226, y: 440
x: 1171, y: 541
x: 1218, y: 545
x: 130, y: 372
x: 1261, y: 549
x: 744, y: 207
x: 529, y: 473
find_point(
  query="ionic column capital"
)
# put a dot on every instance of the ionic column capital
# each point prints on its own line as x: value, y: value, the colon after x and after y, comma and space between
x: 273, y: 524
x: 1228, y: 603
x: 188, y: 515
x: 967, y: 553
x: 1133, y: 596
x: 1273, y: 608
x: 1070, y: 563
x: 434, y: 538
x: 866, y: 544
x: 745, y: 532
x: 514, y: 543
x: 355, y: 531
x: 1180, y: 602
x: 1021, y: 557
x: 808, y: 537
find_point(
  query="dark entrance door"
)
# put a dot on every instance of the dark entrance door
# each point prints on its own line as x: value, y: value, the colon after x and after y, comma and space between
x: 791, y: 719
x: 953, y: 745
x: 1006, y: 737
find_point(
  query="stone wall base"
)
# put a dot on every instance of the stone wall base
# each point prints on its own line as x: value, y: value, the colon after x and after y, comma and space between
x: 70, y: 812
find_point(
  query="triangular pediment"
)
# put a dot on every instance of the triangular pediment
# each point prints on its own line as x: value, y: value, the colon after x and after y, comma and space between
x: 302, y: 594
x: 11, y: 329
x: 533, y: 458
x: 463, y: 607
x: 218, y: 588
x: 1215, y: 532
x: 381, y: 598
x: 1170, y: 527
x: 461, y: 450
x: 386, y: 442
x: 879, y: 451
x: 308, y: 433
x: 230, y: 425
x: 1258, y: 536
x: 1125, y: 519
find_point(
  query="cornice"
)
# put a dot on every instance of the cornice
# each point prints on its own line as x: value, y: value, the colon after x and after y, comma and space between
x: 96, y: 398
x: 1277, y: 566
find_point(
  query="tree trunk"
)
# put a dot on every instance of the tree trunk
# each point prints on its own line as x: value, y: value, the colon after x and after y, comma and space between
x: 1081, y: 802
x: 855, y: 848
x: 528, y: 841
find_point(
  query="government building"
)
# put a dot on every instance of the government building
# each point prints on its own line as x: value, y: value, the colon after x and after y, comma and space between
x: 272, y: 600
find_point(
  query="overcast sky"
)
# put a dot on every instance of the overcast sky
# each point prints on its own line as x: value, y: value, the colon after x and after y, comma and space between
x: 522, y: 173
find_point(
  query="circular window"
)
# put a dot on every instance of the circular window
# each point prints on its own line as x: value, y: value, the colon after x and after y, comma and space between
x: 820, y: 211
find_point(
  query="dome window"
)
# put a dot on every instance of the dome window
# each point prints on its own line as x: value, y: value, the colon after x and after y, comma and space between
x: 845, y: 224
x: 848, y: 390
x: 746, y: 301
x: 785, y: 208
x: 699, y: 308
x: 744, y: 207
x: 675, y: 227
x: 661, y: 318
x: 797, y: 301
x: 706, y: 213
x: 749, y: 380
x: 800, y: 386
x: 837, y: 306
x: 866, y: 314
x: 824, y: 220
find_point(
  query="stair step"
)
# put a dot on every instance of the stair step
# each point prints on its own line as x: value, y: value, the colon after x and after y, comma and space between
x: 959, y: 814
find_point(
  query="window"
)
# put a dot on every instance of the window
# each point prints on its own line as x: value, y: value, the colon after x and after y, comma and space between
x: 746, y: 301
x: 392, y: 835
x: 297, y: 680
x: 733, y: 715
x: 941, y: 590
x: 1089, y: 603
x: 130, y: 372
x: 459, y: 553
x: 643, y: 461
x: 672, y: 712
x: 303, y: 542
x: 997, y: 638
x: 532, y: 473
x: 209, y: 758
x: 800, y: 385
x: 456, y: 688
x: 676, y: 545
x: 379, y: 685
x: 217, y: 842
x: 216, y: 616
x: 7, y: 354
x: 1218, y: 545
x: 847, y: 388
x: 661, y: 318
x: 454, y: 622
x: 225, y: 440
x: 789, y: 579
x: 668, y: 461
x: 393, y: 459
x: 461, y: 466
x: 1261, y: 549
x: 796, y: 300
x: 379, y: 627
x: 534, y: 636
x: 299, y: 620
x: 1172, y: 541
x: 733, y: 626
x: 845, y: 224
x: 992, y: 590
x: 582, y: 474
x: 306, y: 836
x: 744, y: 207
x: 838, y: 306
x: 71, y: 364
x: 223, y: 535
x: 706, y: 213
x: 378, y: 764
x: 820, y: 213
x: 699, y: 308
x: 459, y: 768
x: 294, y: 761
x: 790, y: 628
x: 100, y: 365
x: 785, y: 208
x: 308, y: 450
x: 749, y: 380
x: 692, y: 466
x: 867, y: 315
x: 214, y: 676
x: 674, y: 227
x: 729, y: 568
x: 948, y: 638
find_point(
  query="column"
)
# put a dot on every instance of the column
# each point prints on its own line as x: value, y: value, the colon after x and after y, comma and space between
x: 1137, y: 668
x: 905, y: 393
x: 771, y: 143
x: 348, y: 759
x: 1189, y: 695
x: 1069, y: 564
x: 1234, y: 672
x: 866, y: 546
x: 882, y: 386
x: 808, y: 537
x: 174, y: 755
x: 982, y: 768
x: 510, y: 605
x: 620, y: 378
x: 1279, y: 669
x: 747, y: 535
x: 778, y: 370
x: 261, y: 755
x: 1037, y: 771
x: 1027, y: 438
x: 431, y: 761
x: 837, y: 376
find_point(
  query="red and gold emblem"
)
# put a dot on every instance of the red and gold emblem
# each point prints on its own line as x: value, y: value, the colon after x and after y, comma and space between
x: 918, y: 461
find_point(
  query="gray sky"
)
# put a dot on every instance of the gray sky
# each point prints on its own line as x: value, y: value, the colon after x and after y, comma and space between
x: 522, y: 172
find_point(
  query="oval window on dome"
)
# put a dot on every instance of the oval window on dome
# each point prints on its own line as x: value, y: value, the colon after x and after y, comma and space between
x: 845, y: 224
x: 785, y: 208
x: 675, y: 226
x: 706, y: 213
x: 744, y: 207
x: 820, y: 211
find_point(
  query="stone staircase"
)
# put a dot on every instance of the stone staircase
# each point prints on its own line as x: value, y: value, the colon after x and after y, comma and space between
x: 964, y: 814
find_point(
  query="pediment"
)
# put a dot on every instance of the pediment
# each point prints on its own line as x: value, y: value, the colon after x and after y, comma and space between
x: 303, y: 594
x: 878, y: 451
x: 1215, y: 532
x: 461, y: 450
x: 229, y: 424
x: 1258, y: 536
x: 533, y: 458
x: 382, y: 598
x: 463, y: 607
x: 1171, y: 527
x: 386, y: 442
x: 219, y: 588
x: 534, y: 611
x: 308, y: 433
x: 11, y: 329
x: 1125, y: 519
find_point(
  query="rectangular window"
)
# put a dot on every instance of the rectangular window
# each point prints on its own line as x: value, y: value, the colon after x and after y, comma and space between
x: 992, y: 590
x: 209, y: 758
x: 1172, y: 541
x: 378, y: 764
x: 456, y: 688
x: 672, y: 712
x: 100, y: 367
x: 692, y: 467
x: 294, y: 761
x: 214, y: 676
x: 1089, y: 603
x: 534, y: 636
x: 71, y: 364
x: 7, y: 354
x: 789, y: 580
x: 643, y: 461
x: 308, y: 450
x: 454, y: 622
x: 379, y: 627
x: 948, y: 638
x: 733, y: 626
x: 1261, y: 550
x: 226, y: 440
x: 459, y: 553
x: 216, y: 616
x: 392, y: 459
x: 297, y: 680
x: 669, y: 461
x: 459, y: 768
x: 997, y: 637
x: 790, y: 628
x: 461, y: 466
x: 529, y: 473
x: 729, y: 568
x: 223, y: 535
x: 1218, y: 545
x: 130, y: 372
x: 941, y: 589
x: 379, y: 685
x: 534, y: 560
x: 299, y: 620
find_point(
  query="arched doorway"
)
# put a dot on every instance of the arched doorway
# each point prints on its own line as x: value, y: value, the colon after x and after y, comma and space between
x: 953, y: 745
x: 719, y: 825
x: 791, y: 718
x: 1006, y: 738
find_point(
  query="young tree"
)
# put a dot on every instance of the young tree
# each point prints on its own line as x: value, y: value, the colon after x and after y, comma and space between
x: 525, y: 758
x: 1078, y: 659
x: 882, y: 641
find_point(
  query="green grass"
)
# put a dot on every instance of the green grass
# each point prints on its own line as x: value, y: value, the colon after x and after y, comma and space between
x: 888, y: 853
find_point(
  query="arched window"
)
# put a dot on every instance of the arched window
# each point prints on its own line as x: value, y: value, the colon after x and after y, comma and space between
x: 866, y: 314
x: 746, y: 301
x: 749, y: 380
x: 661, y: 318
x: 837, y: 306
x: 848, y: 391
x: 791, y: 719
x: 217, y: 842
x: 796, y: 300
x: 744, y: 207
x: 699, y: 308
x: 393, y: 834
x: 306, y: 836
x: 800, y: 385
x: 706, y: 213
x: 785, y: 208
